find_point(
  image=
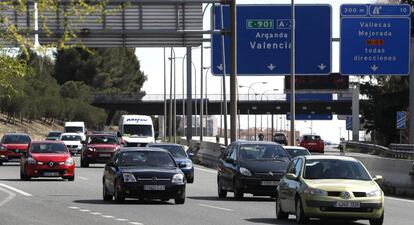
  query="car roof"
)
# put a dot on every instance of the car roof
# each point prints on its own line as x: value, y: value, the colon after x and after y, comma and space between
x: 148, y: 149
x: 16, y: 134
x: 163, y: 144
x: 256, y: 142
x: 294, y: 147
x: 101, y: 134
x: 47, y: 141
x: 78, y: 134
x: 346, y: 158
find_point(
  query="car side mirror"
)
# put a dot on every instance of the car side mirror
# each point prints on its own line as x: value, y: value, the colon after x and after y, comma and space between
x: 190, y: 154
x: 377, y: 178
x: 230, y: 160
x: 291, y: 176
x: 83, y: 142
x: 110, y: 164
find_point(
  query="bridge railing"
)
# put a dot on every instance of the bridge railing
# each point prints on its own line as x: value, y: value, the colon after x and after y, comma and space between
x: 377, y: 150
x: 402, y: 147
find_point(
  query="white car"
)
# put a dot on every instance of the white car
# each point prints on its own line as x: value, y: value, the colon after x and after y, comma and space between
x: 73, y: 142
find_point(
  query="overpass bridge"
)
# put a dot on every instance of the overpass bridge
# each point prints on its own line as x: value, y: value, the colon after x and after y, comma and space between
x: 153, y: 104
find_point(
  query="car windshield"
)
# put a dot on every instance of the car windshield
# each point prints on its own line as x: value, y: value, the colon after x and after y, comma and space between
x: 138, y: 130
x: 71, y: 138
x: 48, y: 148
x: 146, y: 158
x: 73, y: 129
x: 311, y: 138
x: 176, y: 151
x: 293, y: 152
x: 101, y: 139
x: 16, y: 139
x: 262, y: 152
x: 335, y: 169
x: 54, y: 134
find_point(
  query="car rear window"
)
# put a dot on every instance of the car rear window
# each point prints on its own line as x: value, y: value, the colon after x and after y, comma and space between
x: 16, y: 139
x: 176, y: 151
x: 312, y: 138
x: 297, y: 152
x: 71, y: 138
x: 335, y: 169
x: 146, y: 158
x: 48, y: 148
x: 262, y: 152
x: 103, y: 139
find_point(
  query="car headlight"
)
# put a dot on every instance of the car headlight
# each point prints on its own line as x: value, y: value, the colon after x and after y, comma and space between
x: 31, y: 161
x: 245, y: 172
x: 315, y: 192
x: 2, y: 148
x: 129, y: 177
x: 69, y: 162
x: 188, y: 165
x: 91, y: 149
x: 375, y: 193
x: 177, y: 179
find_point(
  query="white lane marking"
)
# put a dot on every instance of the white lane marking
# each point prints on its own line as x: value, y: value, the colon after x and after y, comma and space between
x: 83, y: 178
x: 73, y: 207
x: 215, y: 207
x: 95, y: 213
x: 10, y: 196
x: 135, y: 223
x: 119, y: 219
x: 84, y: 210
x: 16, y: 190
x: 400, y: 199
x: 107, y: 216
x: 205, y: 170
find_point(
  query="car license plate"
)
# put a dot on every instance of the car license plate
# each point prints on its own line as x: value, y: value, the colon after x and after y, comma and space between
x: 270, y: 183
x: 105, y: 155
x: 51, y: 174
x: 311, y: 143
x: 154, y: 187
x: 344, y: 204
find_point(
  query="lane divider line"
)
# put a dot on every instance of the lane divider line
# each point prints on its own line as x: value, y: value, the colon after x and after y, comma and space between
x: 16, y: 190
x: 399, y: 199
x: 83, y: 178
x: 205, y: 170
x: 73, y: 207
x: 135, y: 223
x: 10, y: 196
x: 107, y: 216
x: 84, y: 210
x: 119, y: 219
x: 96, y: 213
x: 215, y: 207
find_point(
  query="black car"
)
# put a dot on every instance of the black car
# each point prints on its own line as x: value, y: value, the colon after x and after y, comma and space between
x: 280, y: 138
x: 144, y: 173
x: 53, y: 135
x: 180, y: 156
x: 251, y: 167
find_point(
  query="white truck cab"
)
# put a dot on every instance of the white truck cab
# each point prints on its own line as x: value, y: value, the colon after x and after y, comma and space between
x: 75, y: 127
x: 136, y: 130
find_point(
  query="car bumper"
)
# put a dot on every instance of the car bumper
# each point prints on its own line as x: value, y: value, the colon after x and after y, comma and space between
x: 133, y: 190
x: 370, y: 208
x: 6, y: 156
x: 74, y: 150
x: 315, y: 148
x: 255, y: 186
x: 188, y: 173
x: 47, y: 171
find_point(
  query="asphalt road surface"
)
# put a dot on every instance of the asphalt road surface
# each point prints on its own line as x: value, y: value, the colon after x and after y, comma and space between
x: 54, y: 201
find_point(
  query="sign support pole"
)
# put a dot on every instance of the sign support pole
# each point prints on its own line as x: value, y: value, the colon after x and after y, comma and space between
x: 189, y: 133
x: 233, y: 73
x: 355, y: 112
x: 292, y: 75
x: 411, y: 95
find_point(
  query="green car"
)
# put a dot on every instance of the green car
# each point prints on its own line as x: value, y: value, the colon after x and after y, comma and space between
x: 334, y: 187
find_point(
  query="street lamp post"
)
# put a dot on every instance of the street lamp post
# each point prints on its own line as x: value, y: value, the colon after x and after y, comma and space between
x: 261, y: 116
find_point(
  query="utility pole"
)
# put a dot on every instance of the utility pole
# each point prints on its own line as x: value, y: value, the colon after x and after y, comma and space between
x: 233, y: 71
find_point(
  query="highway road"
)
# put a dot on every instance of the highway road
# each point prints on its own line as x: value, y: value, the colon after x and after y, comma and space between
x: 54, y: 201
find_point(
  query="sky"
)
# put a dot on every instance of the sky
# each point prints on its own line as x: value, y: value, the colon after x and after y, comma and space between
x: 152, y: 64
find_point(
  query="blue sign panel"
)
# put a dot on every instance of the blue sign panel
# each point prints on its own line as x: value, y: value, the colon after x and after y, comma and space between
x: 263, y: 40
x: 348, y: 123
x: 311, y: 117
x: 375, y: 39
x: 311, y: 97
x: 401, y: 120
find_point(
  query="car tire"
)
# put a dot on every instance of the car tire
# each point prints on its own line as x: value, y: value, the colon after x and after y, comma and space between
x: 378, y: 221
x: 221, y: 193
x: 117, y: 196
x: 300, y: 214
x: 105, y: 195
x: 71, y: 178
x: 179, y: 201
x: 238, y: 193
x: 190, y: 181
x: 84, y: 163
x: 1, y: 163
x: 165, y: 199
x: 280, y: 214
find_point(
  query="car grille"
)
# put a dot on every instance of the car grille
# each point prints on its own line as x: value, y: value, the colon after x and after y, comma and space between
x: 334, y: 209
x: 269, y: 174
x: 360, y: 194
x: 338, y: 193
x: 136, y: 144
x: 104, y: 149
x: 72, y: 146
x: 334, y: 193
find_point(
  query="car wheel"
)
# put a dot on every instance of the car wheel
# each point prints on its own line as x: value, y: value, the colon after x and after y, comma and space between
x: 300, y: 215
x: 117, y: 196
x: 221, y: 193
x: 165, y: 199
x: 378, y: 221
x: 71, y: 178
x: 179, y: 201
x: 84, y: 163
x: 1, y: 163
x: 190, y: 181
x: 280, y: 214
x: 106, y: 196
x: 238, y: 193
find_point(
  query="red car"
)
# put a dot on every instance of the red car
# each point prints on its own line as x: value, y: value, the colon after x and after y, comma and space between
x: 99, y: 148
x: 47, y: 159
x: 312, y: 142
x: 12, y: 145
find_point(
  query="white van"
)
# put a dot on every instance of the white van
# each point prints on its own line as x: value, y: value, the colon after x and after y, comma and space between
x: 136, y: 130
x: 75, y: 127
